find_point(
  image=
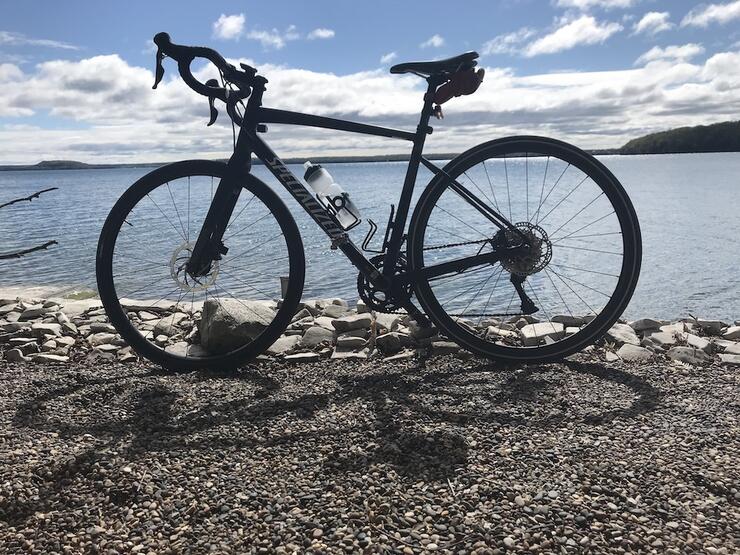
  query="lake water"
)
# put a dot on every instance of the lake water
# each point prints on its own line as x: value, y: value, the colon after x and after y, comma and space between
x: 688, y: 206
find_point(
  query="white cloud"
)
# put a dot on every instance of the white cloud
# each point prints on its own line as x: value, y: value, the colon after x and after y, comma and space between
x: 713, y: 13
x: 434, y: 41
x: 229, y: 27
x: 274, y: 39
x: 510, y: 43
x: 653, y: 23
x: 583, y: 30
x: 388, y: 58
x: 118, y: 118
x: 320, y: 33
x: 587, y: 4
x: 674, y: 53
x: 19, y: 39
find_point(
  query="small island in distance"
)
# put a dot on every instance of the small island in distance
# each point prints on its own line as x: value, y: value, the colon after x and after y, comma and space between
x: 717, y: 137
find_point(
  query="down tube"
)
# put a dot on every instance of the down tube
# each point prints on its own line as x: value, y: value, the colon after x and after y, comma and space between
x: 326, y: 221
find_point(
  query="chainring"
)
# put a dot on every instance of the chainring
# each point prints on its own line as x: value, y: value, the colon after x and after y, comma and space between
x: 384, y: 300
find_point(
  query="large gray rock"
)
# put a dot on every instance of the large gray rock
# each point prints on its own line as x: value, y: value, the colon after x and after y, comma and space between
x: 732, y: 333
x: 227, y: 324
x: 689, y: 355
x: 662, y: 339
x: 634, y: 353
x: 732, y: 348
x: 532, y: 334
x: 15, y: 355
x: 621, y: 334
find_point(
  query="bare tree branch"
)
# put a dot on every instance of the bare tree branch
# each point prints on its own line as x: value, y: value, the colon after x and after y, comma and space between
x: 26, y: 251
x: 28, y: 198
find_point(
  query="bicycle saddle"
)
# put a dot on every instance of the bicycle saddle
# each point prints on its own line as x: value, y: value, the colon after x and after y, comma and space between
x: 448, y: 65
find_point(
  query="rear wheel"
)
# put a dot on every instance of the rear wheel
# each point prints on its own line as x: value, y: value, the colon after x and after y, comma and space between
x: 218, y: 320
x: 579, y: 271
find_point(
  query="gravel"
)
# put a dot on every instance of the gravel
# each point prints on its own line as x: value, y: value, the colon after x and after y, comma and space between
x: 401, y: 456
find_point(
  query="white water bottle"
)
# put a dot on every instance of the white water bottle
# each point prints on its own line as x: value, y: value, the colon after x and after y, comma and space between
x: 331, y: 195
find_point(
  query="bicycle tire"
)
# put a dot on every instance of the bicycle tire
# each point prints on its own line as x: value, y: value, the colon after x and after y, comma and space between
x: 107, y: 287
x: 628, y: 276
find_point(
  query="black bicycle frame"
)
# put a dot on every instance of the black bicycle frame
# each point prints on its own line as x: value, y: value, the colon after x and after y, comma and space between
x: 208, y: 245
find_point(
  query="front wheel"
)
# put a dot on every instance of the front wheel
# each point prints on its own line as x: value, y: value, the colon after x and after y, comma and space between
x: 221, y: 319
x: 564, y: 290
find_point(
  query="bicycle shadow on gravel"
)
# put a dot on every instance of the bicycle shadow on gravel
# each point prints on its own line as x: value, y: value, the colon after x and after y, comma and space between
x: 140, y: 416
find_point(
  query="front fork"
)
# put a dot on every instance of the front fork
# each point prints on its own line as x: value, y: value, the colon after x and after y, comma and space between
x: 209, y: 245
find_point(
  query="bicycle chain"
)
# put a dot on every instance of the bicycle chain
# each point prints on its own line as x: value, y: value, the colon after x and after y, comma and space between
x: 448, y: 245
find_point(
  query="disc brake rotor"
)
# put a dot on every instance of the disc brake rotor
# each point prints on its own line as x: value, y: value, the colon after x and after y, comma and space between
x: 186, y: 282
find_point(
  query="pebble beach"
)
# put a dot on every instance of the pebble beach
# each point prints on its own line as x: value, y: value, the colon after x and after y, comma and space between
x: 629, y: 446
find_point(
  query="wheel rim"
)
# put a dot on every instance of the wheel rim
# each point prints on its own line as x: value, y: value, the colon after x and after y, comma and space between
x: 234, y: 310
x: 584, y: 226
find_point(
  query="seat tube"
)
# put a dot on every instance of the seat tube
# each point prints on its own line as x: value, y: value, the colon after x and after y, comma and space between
x: 399, y: 224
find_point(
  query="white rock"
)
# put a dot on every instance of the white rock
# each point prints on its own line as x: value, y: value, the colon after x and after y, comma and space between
x: 444, y: 347
x: 568, y: 320
x: 698, y: 342
x: 388, y: 322
x: 315, y: 336
x: 730, y: 359
x: 40, y: 330
x: 303, y: 357
x: 732, y: 333
x: 284, y: 344
x: 733, y: 348
x: 360, y: 355
x: 621, y: 334
x: 101, y: 338
x: 335, y: 311
x: 350, y: 343
x: 663, y: 339
x: 352, y: 322
x: 324, y: 322
x: 47, y: 357
x: 532, y: 334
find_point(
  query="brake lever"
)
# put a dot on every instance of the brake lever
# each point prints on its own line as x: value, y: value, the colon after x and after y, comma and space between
x: 211, y: 103
x: 159, y: 70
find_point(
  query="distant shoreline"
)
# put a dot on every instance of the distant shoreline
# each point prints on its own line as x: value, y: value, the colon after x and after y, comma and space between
x: 74, y: 165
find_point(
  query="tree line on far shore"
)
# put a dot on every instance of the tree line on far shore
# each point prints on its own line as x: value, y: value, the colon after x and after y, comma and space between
x: 718, y: 137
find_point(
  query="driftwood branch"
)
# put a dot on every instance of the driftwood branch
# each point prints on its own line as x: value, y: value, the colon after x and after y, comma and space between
x: 18, y: 254
x: 28, y: 198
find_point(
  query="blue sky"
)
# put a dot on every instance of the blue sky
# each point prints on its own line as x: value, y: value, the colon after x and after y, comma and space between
x: 596, y: 72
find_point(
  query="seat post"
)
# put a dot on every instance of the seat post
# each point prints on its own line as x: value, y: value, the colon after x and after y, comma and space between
x: 399, y: 223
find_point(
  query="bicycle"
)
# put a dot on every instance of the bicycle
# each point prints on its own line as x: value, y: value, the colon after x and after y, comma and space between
x: 560, y: 239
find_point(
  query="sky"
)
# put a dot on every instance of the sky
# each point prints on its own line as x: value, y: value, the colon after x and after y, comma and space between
x: 76, y: 77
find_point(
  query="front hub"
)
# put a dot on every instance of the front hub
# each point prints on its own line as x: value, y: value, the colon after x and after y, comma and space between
x: 179, y: 273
